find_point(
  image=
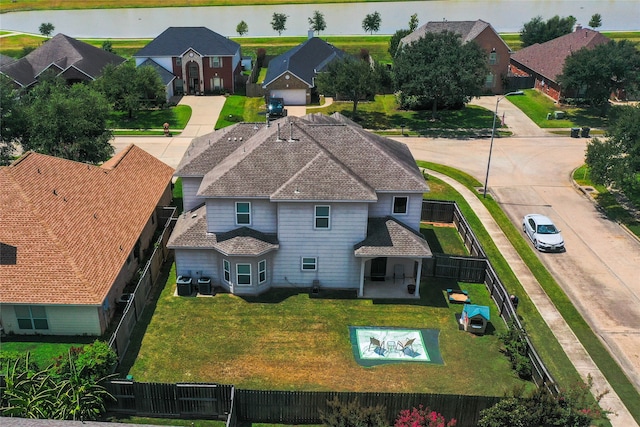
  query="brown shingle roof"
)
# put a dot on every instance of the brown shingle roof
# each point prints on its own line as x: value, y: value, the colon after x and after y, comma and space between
x: 389, y: 237
x: 324, y: 158
x: 547, y: 59
x: 73, y: 225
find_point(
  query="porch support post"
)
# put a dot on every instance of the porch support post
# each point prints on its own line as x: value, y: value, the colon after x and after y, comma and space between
x: 361, y: 290
x: 418, y: 278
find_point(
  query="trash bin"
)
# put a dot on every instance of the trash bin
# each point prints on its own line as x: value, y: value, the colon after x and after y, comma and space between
x: 585, y: 131
x: 184, y: 286
x: 575, y: 132
x: 548, y: 116
x: 204, y: 285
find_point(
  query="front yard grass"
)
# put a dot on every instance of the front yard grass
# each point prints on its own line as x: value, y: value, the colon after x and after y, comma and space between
x: 383, y: 113
x: 537, y: 105
x: 145, y: 120
x: 239, y: 108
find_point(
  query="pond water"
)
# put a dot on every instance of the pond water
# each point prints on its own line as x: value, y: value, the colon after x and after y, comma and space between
x: 341, y: 19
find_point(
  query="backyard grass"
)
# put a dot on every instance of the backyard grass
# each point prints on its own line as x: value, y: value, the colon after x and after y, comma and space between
x: 144, y: 120
x: 544, y: 342
x: 43, y: 350
x: 537, y: 106
x: 248, y: 342
x: 383, y: 113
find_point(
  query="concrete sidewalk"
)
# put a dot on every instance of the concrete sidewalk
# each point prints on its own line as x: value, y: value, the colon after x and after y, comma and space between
x: 517, y: 122
x: 561, y: 330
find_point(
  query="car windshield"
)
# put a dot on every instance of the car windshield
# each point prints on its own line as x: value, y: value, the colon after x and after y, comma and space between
x: 547, y: 229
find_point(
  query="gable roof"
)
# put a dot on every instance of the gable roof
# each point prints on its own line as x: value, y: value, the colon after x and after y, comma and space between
x: 62, y: 54
x: 175, y: 41
x: 300, y: 159
x: 73, y: 225
x: 468, y: 30
x: 166, y: 76
x: 473, y: 310
x: 303, y: 61
x: 547, y: 59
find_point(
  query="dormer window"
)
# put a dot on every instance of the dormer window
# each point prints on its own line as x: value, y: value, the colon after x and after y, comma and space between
x: 400, y: 205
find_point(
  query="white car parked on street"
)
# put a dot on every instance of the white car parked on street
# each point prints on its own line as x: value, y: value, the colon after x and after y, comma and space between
x: 543, y: 233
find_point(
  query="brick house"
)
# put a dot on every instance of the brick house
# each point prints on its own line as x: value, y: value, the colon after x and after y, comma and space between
x: 545, y: 61
x: 485, y: 36
x: 202, y: 61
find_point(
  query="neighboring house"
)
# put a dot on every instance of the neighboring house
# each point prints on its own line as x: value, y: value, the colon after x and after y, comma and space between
x: 306, y: 202
x: 484, y: 35
x: 4, y: 60
x: 545, y: 61
x: 71, y: 59
x: 72, y: 237
x: 200, y: 60
x: 291, y: 76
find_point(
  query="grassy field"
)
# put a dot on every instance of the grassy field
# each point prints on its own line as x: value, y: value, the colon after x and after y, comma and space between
x: 537, y: 106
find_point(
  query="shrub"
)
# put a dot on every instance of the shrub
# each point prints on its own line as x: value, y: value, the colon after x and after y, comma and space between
x: 351, y: 414
x: 422, y: 417
x: 516, y: 349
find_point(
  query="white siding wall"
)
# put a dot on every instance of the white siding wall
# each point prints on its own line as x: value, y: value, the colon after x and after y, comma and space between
x: 199, y: 263
x: 221, y: 215
x: 164, y: 62
x: 189, y: 190
x: 384, y: 207
x: 337, y: 266
x: 62, y: 320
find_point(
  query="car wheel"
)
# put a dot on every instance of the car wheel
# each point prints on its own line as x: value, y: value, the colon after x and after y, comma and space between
x: 535, y: 244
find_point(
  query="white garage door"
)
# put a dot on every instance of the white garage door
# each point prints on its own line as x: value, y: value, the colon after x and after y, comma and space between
x: 291, y: 96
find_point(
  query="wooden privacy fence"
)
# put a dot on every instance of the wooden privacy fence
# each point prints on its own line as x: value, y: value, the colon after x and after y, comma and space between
x: 477, y: 266
x: 120, y: 338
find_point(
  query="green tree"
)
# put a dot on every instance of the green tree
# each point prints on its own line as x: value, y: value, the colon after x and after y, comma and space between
x: 107, y: 46
x: 130, y: 88
x: 46, y: 28
x: 595, y: 21
x: 349, y: 77
x: 438, y: 70
x: 371, y: 22
x: 615, y: 160
x: 317, y: 22
x: 67, y: 121
x: 602, y: 71
x: 395, y: 39
x: 413, y: 22
x: 11, y: 120
x: 539, y: 31
x: 279, y: 22
x: 242, y: 28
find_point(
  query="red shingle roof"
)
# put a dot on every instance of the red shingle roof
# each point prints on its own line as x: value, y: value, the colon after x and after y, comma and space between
x: 547, y: 59
x: 73, y: 225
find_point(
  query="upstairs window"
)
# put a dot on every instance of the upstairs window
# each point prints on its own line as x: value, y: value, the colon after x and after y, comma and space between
x: 400, y: 205
x: 179, y: 62
x: 493, y: 58
x: 243, y: 213
x: 215, y: 62
x: 322, y: 217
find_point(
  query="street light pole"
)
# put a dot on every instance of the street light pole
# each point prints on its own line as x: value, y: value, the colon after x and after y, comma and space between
x: 493, y: 132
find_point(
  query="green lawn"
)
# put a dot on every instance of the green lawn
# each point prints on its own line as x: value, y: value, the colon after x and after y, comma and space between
x: 384, y: 113
x: 43, y: 350
x: 238, y: 109
x: 537, y: 106
x: 144, y: 120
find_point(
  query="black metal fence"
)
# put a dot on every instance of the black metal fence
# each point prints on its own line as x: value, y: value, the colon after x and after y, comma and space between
x: 468, y: 268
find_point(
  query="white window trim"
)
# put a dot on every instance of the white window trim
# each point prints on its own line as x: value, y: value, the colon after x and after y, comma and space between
x: 243, y: 213
x: 315, y: 263
x: 262, y: 269
x: 32, y: 318
x: 226, y: 268
x: 238, y: 274
x: 393, y: 206
x: 316, y: 217
x: 212, y: 62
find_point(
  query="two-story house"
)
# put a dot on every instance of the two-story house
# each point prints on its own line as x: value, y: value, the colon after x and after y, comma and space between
x: 302, y: 202
x: 201, y: 60
x: 484, y: 35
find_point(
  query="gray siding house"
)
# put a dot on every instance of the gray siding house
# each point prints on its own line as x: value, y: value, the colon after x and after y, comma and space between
x: 303, y: 202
